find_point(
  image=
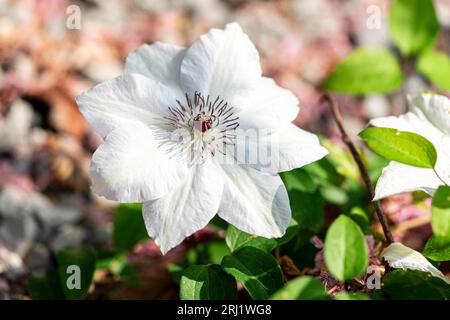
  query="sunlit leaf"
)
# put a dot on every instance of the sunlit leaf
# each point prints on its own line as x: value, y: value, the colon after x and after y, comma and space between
x: 236, y: 239
x: 440, y: 219
x: 436, y: 67
x: 207, y: 283
x: 413, y: 25
x: 345, y: 252
x: 401, y: 146
x: 366, y: 71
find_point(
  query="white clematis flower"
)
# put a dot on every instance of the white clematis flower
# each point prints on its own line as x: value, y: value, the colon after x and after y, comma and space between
x: 178, y: 129
x: 402, y: 257
x: 428, y: 116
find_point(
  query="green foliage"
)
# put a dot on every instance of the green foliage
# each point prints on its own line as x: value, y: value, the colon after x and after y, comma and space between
x: 405, y: 147
x: 236, y: 239
x: 302, y: 288
x: 436, y: 67
x: 345, y: 252
x: 299, y: 179
x: 47, y: 287
x: 437, y: 249
x: 352, y: 296
x: 84, y: 259
x: 365, y: 71
x: 207, y: 283
x: 257, y: 270
x: 440, y: 219
x: 361, y: 218
x: 414, y: 285
x: 413, y: 25
x: 307, y: 209
x: 75, y: 267
x: 129, y: 227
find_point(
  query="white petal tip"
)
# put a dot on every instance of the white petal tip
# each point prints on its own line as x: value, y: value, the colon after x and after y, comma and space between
x: 401, y: 257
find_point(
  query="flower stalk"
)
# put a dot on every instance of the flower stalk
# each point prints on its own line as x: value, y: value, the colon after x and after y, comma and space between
x: 362, y: 168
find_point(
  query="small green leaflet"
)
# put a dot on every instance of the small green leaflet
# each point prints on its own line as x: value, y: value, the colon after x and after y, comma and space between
x: 401, y: 146
x: 345, y: 252
x: 209, y: 282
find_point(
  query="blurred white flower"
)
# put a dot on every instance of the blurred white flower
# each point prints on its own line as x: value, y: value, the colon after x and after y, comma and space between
x: 401, y: 257
x: 175, y: 126
x: 428, y: 116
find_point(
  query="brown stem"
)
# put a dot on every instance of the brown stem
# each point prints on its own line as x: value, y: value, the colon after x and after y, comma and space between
x: 362, y: 168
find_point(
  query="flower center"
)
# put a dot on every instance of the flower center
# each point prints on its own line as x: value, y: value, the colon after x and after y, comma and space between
x: 202, y: 122
x: 201, y: 126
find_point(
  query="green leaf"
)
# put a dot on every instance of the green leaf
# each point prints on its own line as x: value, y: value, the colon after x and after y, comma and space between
x: 352, y: 296
x: 440, y: 219
x: 335, y: 195
x: 175, y: 271
x: 307, y: 209
x: 364, y: 71
x: 76, y: 268
x: 437, y: 249
x: 413, y: 25
x: 342, y: 159
x: 414, y: 285
x: 298, y: 179
x: 290, y: 233
x: 302, y: 288
x: 236, y: 239
x: 129, y: 227
x: 436, y: 67
x: 45, y: 288
x: 256, y: 269
x: 207, y: 283
x: 401, y: 146
x: 361, y: 218
x: 301, y: 250
x: 345, y: 252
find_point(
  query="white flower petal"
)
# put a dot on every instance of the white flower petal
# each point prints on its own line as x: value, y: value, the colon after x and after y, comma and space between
x: 412, y: 122
x: 401, y: 257
x: 297, y: 148
x: 158, y: 61
x: 435, y: 107
x: 221, y: 63
x: 399, y: 178
x: 130, y: 166
x: 255, y: 203
x: 270, y: 107
x: 283, y: 150
x: 129, y: 97
x: 185, y: 210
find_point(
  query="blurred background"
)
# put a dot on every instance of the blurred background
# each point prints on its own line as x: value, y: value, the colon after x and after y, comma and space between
x: 47, y: 58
